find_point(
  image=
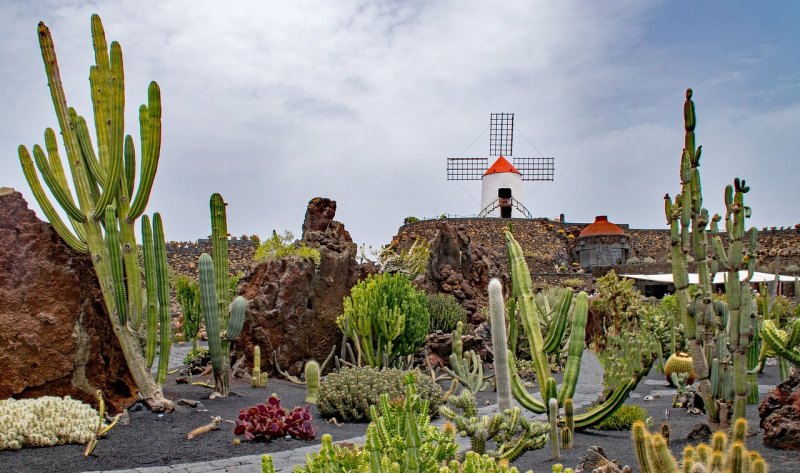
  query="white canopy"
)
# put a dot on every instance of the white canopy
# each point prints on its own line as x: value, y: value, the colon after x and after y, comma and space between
x: 719, y: 278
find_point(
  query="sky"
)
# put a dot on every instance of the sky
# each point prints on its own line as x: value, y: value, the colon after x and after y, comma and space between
x: 274, y: 103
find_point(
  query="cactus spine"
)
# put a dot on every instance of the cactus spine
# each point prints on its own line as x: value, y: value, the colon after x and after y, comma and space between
x: 712, y: 329
x: 312, y: 381
x: 224, y: 320
x: 497, y: 319
x: 103, y: 179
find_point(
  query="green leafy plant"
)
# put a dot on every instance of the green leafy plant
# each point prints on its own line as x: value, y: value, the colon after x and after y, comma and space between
x: 281, y: 246
x: 386, y: 318
x: 347, y: 394
x: 445, y: 312
x: 107, y: 199
x: 624, y: 418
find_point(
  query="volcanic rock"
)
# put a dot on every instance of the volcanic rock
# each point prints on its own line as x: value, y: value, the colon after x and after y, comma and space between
x: 292, y: 304
x: 54, y: 328
x: 780, y: 415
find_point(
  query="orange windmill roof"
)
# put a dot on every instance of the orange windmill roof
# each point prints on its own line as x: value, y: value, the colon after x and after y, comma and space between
x: 501, y: 165
x: 601, y: 226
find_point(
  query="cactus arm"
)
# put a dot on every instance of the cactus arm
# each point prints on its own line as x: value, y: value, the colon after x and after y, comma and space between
x: 236, y: 322
x: 129, y: 172
x: 208, y: 298
x: 61, y: 193
x: 770, y: 335
x: 219, y: 236
x: 148, y: 252
x: 575, y: 349
x: 617, y: 399
x: 556, y: 333
x: 109, y: 108
x: 519, y: 392
x: 96, y: 171
x: 162, y: 279
x: 151, y: 135
x: 115, y: 258
x: 44, y: 203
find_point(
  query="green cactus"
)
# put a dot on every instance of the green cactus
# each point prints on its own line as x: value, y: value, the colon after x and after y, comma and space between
x: 257, y: 379
x: 523, y: 291
x: 312, y: 381
x: 654, y: 456
x: 713, y: 330
x: 106, y: 197
x: 510, y: 431
x: 552, y: 417
x: 466, y: 368
x: 569, y: 425
x: 497, y: 318
x: 188, y: 294
x: 224, y: 319
x: 386, y: 318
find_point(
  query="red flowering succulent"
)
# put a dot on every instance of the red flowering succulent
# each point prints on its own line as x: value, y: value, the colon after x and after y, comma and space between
x: 268, y: 421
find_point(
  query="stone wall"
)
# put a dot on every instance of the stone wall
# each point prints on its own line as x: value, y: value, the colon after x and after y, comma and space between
x: 549, y: 245
x: 182, y: 256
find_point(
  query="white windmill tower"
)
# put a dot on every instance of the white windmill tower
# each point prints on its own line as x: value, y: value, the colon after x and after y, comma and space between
x: 501, y: 184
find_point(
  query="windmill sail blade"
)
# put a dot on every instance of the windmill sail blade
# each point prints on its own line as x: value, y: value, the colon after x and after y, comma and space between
x: 535, y: 169
x: 501, y: 134
x: 466, y: 169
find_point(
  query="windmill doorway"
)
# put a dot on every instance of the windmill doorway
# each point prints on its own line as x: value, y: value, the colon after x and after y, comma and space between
x: 504, y: 201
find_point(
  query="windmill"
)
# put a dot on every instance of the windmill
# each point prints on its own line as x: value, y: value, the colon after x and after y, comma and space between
x: 501, y: 188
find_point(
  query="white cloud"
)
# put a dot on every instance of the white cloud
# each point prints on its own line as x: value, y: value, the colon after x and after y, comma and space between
x: 273, y: 103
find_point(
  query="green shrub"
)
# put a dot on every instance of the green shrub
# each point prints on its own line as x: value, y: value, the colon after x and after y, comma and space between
x: 386, y: 317
x: 349, y: 393
x: 277, y: 247
x: 445, y: 312
x: 624, y: 418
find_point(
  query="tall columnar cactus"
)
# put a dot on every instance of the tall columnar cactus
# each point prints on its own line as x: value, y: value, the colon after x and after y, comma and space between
x: 498, y: 320
x: 159, y: 323
x: 107, y: 198
x: 312, y: 382
x: 224, y: 320
x: 523, y: 291
x: 713, y: 330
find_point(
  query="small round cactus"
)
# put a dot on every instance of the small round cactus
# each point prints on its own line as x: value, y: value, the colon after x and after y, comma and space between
x: 679, y: 362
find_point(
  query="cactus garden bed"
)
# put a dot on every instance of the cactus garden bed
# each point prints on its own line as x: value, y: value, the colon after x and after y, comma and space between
x: 151, y: 439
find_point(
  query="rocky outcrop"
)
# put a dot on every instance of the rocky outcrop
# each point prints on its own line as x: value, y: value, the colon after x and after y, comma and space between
x: 780, y: 415
x: 53, y: 324
x: 292, y: 304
